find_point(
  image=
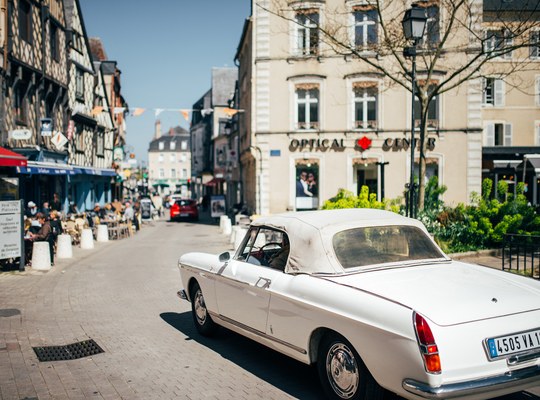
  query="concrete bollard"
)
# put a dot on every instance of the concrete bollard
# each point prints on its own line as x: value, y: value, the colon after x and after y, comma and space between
x: 240, y: 233
x: 63, y: 246
x: 227, y: 226
x: 222, y: 219
x: 87, y: 239
x: 233, y: 234
x: 102, y: 233
x: 41, y: 256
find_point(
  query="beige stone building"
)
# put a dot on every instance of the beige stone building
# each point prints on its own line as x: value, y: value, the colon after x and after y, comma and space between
x: 332, y: 117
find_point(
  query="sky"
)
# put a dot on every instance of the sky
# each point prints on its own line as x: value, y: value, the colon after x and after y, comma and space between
x: 166, y: 50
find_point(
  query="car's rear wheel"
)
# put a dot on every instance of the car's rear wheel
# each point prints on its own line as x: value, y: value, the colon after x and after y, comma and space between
x: 203, y: 322
x: 342, y: 373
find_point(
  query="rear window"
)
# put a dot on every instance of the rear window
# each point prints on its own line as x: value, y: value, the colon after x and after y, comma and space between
x: 185, y: 202
x: 360, y: 247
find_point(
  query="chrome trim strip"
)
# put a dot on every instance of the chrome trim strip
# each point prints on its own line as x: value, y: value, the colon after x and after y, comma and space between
x: 514, y: 360
x: 508, y: 380
x: 256, y: 332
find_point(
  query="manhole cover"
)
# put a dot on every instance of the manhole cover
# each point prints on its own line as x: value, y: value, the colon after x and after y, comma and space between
x: 68, y: 352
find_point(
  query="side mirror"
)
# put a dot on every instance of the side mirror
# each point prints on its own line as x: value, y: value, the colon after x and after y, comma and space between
x: 224, y: 257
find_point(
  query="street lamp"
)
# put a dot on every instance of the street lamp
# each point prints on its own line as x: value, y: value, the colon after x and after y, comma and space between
x: 414, y: 24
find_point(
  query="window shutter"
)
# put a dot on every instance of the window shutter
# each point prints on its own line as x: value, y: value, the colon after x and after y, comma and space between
x: 499, y: 92
x: 508, y: 43
x: 507, y: 134
x: 490, y: 135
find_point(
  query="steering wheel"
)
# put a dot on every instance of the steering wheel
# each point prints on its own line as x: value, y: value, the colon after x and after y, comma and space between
x: 261, y: 255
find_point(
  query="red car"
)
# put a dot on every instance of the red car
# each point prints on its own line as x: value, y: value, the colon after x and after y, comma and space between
x: 184, y: 208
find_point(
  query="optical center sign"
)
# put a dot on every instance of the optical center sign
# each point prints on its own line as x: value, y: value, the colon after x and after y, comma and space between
x: 10, y: 229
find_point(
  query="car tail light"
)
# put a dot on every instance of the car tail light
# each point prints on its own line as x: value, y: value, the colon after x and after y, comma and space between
x: 427, y: 344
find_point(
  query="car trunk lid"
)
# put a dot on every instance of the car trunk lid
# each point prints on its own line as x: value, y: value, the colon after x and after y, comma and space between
x: 450, y: 293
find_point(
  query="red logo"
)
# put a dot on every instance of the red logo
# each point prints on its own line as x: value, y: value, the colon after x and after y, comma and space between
x: 364, y: 143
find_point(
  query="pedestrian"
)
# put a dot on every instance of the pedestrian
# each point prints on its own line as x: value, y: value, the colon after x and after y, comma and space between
x: 56, y: 204
x: 31, y: 210
x: 44, y: 234
x: 45, y: 209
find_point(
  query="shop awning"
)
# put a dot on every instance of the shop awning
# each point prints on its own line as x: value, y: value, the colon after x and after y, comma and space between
x: 97, y: 171
x: 9, y: 158
x: 214, y: 182
x: 43, y: 168
x: 160, y: 183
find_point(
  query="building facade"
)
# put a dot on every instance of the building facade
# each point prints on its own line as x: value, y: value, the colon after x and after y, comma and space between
x: 169, y: 161
x: 316, y: 121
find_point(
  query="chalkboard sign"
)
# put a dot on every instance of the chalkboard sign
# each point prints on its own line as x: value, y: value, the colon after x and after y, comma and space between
x: 146, y: 209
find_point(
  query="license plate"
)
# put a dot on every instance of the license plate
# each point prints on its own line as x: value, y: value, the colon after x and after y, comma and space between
x: 184, y: 214
x: 520, y: 342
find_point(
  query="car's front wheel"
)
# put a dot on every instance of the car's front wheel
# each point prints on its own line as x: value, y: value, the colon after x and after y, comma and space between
x: 342, y: 373
x: 203, y: 322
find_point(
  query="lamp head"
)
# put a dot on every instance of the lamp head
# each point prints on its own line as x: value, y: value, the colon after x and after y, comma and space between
x: 414, y: 23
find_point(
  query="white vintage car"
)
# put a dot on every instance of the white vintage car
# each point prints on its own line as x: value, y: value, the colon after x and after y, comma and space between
x: 370, y: 298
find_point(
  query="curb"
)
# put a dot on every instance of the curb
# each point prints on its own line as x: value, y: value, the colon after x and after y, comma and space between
x: 477, y: 253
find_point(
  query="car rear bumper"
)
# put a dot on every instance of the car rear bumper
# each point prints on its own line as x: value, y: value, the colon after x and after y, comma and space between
x: 517, y: 378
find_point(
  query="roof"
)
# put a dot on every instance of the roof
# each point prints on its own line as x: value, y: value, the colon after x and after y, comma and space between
x: 310, y: 234
x: 223, y: 85
x: 177, y: 134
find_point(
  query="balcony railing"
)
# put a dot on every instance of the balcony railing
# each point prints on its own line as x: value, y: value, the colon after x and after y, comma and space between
x: 307, y: 126
x: 371, y: 124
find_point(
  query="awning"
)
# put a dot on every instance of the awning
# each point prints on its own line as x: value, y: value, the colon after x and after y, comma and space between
x: 214, y: 182
x: 160, y: 183
x: 97, y: 171
x: 9, y: 158
x: 42, y: 168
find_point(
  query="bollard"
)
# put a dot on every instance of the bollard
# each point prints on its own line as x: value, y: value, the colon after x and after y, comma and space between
x: 240, y: 233
x: 102, y: 233
x: 87, y: 240
x: 233, y: 234
x: 41, y: 256
x: 63, y: 246
x: 222, y: 219
x: 227, y: 226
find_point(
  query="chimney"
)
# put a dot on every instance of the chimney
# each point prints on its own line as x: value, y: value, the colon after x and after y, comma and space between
x: 157, y: 133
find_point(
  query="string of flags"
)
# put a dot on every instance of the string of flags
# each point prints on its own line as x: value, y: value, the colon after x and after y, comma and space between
x: 185, y: 112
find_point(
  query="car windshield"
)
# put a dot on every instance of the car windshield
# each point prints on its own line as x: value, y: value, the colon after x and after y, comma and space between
x: 183, y: 202
x: 361, y: 247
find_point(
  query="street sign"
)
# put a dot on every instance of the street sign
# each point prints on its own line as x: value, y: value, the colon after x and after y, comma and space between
x: 20, y: 134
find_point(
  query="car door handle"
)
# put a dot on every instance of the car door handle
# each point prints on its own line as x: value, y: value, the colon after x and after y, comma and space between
x: 263, y: 283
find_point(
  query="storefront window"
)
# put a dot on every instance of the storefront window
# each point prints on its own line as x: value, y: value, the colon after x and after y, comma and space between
x: 307, y: 186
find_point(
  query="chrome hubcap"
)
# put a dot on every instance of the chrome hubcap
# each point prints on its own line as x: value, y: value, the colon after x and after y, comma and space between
x: 200, y: 307
x: 342, y: 370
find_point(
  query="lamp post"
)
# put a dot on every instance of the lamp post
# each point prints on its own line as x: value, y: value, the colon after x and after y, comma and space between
x: 414, y: 24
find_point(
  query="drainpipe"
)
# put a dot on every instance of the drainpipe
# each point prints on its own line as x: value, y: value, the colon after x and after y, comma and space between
x: 259, y: 180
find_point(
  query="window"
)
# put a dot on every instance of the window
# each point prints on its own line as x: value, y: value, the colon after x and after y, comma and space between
x: 433, y: 111
x: 161, y: 145
x: 160, y: 158
x: 266, y: 247
x: 498, y: 134
x: 307, y: 35
x: 183, y: 145
x: 537, y: 129
x: 20, y: 105
x: 183, y: 158
x: 161, y: 173
x: 172, y: 157
x: 497, y: 43
x: 172, y: 145
x: 100, y: 144
x: 184, y: 173
x: 55, y: 50
x: 432, y: 35
x: 79, y: 84
x: 534, y: 48
x: 25, y: 21
x: 173, y: 173
x: 307, y: 106
x: 365, y: 28
x: 79, y: 137
x: 493, y: 92
x: 365, y: 105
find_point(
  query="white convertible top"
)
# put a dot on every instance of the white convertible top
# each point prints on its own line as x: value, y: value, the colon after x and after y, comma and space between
x: 310, y: 234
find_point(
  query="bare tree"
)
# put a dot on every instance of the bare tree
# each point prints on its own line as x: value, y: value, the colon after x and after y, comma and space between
x: 461, y: 41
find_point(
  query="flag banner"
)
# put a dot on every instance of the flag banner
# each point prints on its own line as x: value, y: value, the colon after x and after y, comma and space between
x: 119, y: 110
x: 138, y: 111
x: 206, y: 111
x: 158, y: 111
x: 185, y: 113
x: 230, y: 111
x: 97, y: 110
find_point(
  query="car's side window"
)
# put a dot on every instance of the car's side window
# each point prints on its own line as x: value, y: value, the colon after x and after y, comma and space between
x: 267, y: 247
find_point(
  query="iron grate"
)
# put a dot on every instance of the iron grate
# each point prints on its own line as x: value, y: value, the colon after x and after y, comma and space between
x: 68, y: 352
